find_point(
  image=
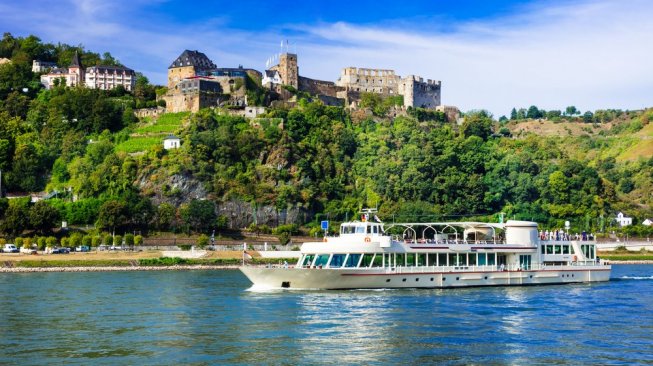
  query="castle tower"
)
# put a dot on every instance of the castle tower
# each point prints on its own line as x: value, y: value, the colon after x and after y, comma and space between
x: 75, y: 71
x: 288, y: 69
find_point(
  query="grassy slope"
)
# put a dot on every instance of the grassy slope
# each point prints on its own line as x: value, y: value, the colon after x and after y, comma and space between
x: 149, y: 134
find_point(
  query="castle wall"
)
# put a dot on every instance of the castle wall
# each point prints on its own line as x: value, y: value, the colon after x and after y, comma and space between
x: 419, y: 93
x: 369, y: 80
x: 177, y: 74
x: 319, y: 87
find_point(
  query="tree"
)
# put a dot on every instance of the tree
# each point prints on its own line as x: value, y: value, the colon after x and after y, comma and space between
x: 43, y: 217
x: 199, y: 214
x: 533, y: 112
x: 165, y: 216
x: 15, y: 219
x: 112, y: 214
x: 588, y: 117
x: 513, y: 114
x: 571, y: 110
x: 477, y: 124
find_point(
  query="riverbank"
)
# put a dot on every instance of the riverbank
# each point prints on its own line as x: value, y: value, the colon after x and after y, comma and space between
x: 116, y: 269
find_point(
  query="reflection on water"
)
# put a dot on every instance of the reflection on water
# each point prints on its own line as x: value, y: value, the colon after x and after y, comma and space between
x: 209, y: 317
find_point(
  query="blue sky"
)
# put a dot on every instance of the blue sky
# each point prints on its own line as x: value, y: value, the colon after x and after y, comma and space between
x: 488, y: 54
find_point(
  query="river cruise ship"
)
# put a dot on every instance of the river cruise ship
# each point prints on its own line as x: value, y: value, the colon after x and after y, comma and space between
x: 436, y: 255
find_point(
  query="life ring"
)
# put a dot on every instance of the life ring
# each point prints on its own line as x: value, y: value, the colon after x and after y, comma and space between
x: 575, y: 259
x: 367, y: 239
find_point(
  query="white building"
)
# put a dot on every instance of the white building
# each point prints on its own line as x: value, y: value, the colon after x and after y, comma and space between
x: 623, y: 220
x: 95, y: 77
x: 109, y: 77
x: 171, y: 142
x: 42, y: 66
x: 271, y: 78
x: 647, y: 222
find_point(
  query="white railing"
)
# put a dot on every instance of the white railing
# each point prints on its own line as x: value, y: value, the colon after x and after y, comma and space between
x: 446, y: 241
x: 491, y: 268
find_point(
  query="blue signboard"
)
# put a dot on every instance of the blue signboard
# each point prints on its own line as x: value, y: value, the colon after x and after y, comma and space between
x: 325, y: 225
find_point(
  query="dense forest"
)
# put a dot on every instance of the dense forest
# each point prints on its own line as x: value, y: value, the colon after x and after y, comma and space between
x: 87, y: 151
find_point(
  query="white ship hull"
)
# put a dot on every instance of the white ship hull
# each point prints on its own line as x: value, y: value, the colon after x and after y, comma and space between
x: 316, y: 278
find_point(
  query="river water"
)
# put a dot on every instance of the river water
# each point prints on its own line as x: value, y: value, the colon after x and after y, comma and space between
x: 210, y: 318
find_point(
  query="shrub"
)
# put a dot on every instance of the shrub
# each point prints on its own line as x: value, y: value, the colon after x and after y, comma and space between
x: 107, y: 240
x: 41, y: 242
x: 3, y: 241
x: 117, y: 240
x: 184, y: 247
x: 87, y: 240
x: 284, y: 238
x: 75, y: 240
x: 129, y: 240
x: 65, y: 242
x: 203, y: 240
x: 51, y: 242
x: 138, y: 240
x: 27, y: 242
x: 95, y: 241
x: 18, y: 242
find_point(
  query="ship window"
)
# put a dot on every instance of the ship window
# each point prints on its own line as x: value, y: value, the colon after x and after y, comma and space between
x: 442, y: 259
x: 321, y: 259
x: 369, y: 229
x: 352, y: 260
x: 472, y: 259
x: 565, y: 249
x: 308, y: 259
x: 482, y: 259
x: 543, y: 249
x: 491, y: 259
x: 453, y: 259
x: 360, y: 229
x: 432, y: 259
x: 375, y: 229
x: 401, y: 260
x: 337, y: 260
x: 557, y: 249
x: 367, y: 260
x: 549, y: 249
x: 410, y: 259
x: 421, y: 259
x: 378, y: 260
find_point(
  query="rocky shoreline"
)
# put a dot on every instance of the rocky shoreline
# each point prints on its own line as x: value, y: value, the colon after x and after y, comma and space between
x: 115, y: 268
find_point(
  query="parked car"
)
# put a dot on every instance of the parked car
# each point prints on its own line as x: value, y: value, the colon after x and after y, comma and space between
x: 10, y: 248
x: 83, y: 248
x: 60, y: 251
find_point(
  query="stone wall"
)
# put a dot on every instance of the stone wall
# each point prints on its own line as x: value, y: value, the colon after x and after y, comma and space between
x: 288, y: 69
x: 149, y: 112
x: 177, y: 74
x: 319, y: 87
x: 369, y: 80
x: 420, y: 93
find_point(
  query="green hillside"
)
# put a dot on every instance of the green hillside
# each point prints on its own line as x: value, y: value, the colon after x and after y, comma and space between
x: 110, y: 169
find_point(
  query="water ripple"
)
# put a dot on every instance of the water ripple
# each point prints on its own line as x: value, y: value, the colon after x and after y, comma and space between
x: 213, y: 317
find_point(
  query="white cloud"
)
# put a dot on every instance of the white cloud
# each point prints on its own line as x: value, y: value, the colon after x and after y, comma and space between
x: 592, y: 54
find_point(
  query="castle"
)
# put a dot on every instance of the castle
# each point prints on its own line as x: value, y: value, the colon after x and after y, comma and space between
x: 195, y: 82
x: 95, y: 77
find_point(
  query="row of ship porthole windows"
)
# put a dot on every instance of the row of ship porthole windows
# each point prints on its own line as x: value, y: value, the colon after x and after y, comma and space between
x: 457, y: 278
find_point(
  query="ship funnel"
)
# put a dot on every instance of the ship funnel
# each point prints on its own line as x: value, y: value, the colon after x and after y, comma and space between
x: 521, y: 233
